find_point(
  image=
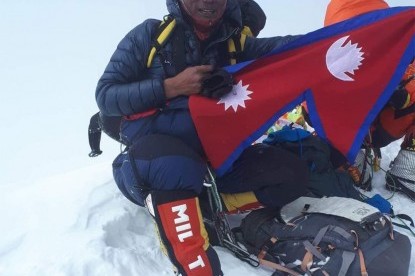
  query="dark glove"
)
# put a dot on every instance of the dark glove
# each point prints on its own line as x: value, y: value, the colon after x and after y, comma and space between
x: 218, y: 84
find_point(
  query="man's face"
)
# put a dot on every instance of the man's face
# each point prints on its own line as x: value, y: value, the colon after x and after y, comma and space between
x: 211, y: 10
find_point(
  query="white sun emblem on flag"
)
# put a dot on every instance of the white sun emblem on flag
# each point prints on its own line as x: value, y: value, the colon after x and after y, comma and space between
x: 342, y: 58
x: 236, y: 97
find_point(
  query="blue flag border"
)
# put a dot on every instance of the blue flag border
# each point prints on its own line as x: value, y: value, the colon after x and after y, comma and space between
x: 313, y: 37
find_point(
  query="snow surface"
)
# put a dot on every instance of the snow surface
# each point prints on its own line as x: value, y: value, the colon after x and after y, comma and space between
x: 60, y: 211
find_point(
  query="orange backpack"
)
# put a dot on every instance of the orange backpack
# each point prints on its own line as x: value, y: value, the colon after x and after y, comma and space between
x: 339, y: 10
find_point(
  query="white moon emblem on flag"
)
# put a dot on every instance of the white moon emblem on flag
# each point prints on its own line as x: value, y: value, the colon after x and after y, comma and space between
x: 236, y: 97
x: 343, y: 59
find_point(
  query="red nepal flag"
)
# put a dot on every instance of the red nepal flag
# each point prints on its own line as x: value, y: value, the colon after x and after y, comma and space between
x: 345, y: 72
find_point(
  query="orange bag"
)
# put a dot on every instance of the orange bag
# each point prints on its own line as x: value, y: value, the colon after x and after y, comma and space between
x: 339, y: 10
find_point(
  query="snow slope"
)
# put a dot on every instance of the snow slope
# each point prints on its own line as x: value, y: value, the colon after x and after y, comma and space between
x: 78, y: 223
x: 60, y: 211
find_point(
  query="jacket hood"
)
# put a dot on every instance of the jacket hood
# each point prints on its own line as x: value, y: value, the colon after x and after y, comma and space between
x: 232, y: 12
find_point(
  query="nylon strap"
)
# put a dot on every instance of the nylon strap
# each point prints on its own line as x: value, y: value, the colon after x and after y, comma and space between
x: 347, y: 259
x: 320, y: 235
x: 247, y: 32
x: 236, y: 45
x: 389, y: 221
x: 278, y: 267
x: 179, y: 50
x: 94, y: 136
x: 232, y: 51
x: 324, y: 272
x: 308, y: 258
x: 313, y: 250
x: 342, y: 232
x: 363, y: 270
x: 165, y: 30
x: 141, y: 184
x: 273, y: 265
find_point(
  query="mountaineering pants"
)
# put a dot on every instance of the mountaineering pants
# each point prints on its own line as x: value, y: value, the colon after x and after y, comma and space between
x: 161, y: 162
x: 182, y: 232
x: 276, y: 176
x: 166, y: 175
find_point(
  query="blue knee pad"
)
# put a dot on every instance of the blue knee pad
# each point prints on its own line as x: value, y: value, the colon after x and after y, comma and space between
x: 158, y: 162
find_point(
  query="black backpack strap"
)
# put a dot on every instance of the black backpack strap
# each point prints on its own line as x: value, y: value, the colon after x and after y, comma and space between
x: 94, y: 135
x: 175, y: 62
x: 235, y: 48
x: 139, y: 181
x: 111, y: 125
x: 236, y: 44
x: 403, y: 217
x: 179, y: 50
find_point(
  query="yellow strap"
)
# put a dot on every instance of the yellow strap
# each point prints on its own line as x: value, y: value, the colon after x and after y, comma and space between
x: 231, y: 49
x: 407, y: 102
x: 151, y: 56
x: 246, y: 31
x: 161, y: 39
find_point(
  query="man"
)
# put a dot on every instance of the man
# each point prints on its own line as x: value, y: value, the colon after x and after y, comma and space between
x: 165, y: 164
x: 397, y: 119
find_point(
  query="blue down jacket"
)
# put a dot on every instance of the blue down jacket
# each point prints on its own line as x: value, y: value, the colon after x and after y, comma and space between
x: 127, y: 87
